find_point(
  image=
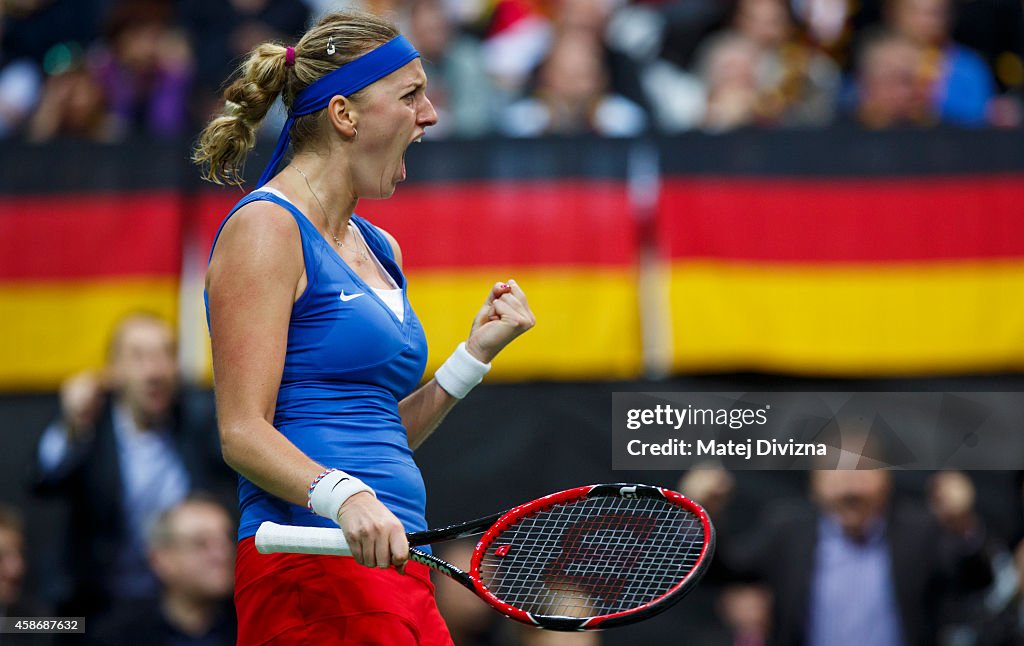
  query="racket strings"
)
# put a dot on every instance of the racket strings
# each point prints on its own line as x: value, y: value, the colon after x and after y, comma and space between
x: 592, y: 557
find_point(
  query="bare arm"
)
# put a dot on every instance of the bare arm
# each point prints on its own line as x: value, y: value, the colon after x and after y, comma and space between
x: 423, y: 411
x: 254, y: 278
x: 252, y: 282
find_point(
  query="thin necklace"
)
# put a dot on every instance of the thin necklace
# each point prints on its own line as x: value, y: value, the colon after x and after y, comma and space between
x: 361, y: 252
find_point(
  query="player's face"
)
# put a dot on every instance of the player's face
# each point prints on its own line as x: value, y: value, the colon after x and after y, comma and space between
x: 395, y: 112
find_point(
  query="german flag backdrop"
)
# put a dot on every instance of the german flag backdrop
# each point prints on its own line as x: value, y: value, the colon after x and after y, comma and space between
x: 69, y: 266
x: 858, y: 254
x: 87, y: 234
x: 807, y: 253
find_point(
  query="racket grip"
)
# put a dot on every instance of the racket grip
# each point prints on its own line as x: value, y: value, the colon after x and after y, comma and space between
x: 272, y: 538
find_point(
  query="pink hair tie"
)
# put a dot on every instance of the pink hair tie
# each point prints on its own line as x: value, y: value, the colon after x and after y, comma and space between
x: 289, y: 57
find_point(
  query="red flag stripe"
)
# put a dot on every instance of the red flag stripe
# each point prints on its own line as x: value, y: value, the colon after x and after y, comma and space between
x: 787, y: 220
x: 89, y: 236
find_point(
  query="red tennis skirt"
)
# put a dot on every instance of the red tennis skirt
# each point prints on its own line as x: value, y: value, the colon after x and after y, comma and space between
x: 302, y: 599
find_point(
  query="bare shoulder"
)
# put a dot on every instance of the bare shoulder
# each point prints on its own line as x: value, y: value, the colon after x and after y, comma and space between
x: 262, y: 233
x: 394, y: 246
x: 262, y: 222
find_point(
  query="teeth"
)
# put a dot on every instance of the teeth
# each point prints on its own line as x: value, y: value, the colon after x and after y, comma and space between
x: 418, y: 140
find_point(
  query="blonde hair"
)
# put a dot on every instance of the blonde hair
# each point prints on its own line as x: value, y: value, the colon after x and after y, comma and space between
x: 228, y: 138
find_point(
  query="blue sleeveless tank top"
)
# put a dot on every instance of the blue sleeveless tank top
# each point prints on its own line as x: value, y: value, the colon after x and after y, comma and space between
x: 349, y: 361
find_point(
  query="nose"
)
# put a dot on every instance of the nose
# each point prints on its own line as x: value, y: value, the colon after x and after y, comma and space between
x: 427, y: 114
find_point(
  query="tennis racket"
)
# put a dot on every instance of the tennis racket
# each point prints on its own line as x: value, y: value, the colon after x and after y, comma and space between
x: 583, y: 559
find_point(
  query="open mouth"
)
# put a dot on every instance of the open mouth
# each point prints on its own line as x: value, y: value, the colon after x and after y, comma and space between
x: 414, y: 141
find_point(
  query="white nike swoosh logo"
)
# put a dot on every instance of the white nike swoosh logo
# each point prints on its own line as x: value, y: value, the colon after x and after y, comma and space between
x: 347, y: 297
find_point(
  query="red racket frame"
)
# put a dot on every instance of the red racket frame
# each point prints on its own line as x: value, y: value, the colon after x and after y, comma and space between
x: 644, y: 611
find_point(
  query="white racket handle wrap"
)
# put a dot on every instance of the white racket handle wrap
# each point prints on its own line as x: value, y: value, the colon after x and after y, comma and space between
x: 272, y: 538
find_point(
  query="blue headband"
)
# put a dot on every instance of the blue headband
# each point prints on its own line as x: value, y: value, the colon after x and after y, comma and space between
x: 345, y: 81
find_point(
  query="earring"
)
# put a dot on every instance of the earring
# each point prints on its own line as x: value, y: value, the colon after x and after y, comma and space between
x: 330, y: 46
x: 355, y: 134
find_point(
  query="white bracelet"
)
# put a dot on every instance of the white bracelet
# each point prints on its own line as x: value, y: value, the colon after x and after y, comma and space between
x: 331, y: 491
x: 461, y: 372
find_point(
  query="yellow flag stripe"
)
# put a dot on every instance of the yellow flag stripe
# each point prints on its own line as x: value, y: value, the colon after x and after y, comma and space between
x: 50, y: 330
x: 852, y: 320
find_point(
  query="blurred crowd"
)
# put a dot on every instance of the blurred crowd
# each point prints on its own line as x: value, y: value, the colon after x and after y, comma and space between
x: 826, y: 558
x: 109, y: 69
x: 831, y: 558
x: 848, y: 557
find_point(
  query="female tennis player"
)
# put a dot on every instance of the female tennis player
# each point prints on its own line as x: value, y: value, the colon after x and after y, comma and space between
x: 316, y: 351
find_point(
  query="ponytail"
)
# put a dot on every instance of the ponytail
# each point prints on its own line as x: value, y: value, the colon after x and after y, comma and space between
x: 227, y: 139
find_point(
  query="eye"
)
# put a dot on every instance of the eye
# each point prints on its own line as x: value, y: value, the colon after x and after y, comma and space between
x: 410, y: 96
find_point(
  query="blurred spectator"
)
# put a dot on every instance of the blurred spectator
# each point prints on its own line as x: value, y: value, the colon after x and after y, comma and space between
x: 590, y: 16
x: 889, y: 89
x: 222, y: 31
x: 121, y: 459
x: 459, y: 86
x: 761, y: 73
x: 516, y: 39
x: 12, y: 560
x: 145, y: 69
x: 12, y: 573
x: 728, y: 68
x: 470, y: 622
x: 73, y: 106
x: 593, y: 17
x: 747, y: 611
x: 191, y: 549
x: 856, y: 568
x: 798, y: 85
x: 960, y: 83
x: 572, y: 96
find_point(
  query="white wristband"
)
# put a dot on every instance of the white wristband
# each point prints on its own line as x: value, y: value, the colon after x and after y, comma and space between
x: 461, y: 372
x: 331, y: 492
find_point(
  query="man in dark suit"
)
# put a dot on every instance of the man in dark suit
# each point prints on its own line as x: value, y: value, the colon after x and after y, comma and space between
x: 127, y: 446
x: 855, y: 567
